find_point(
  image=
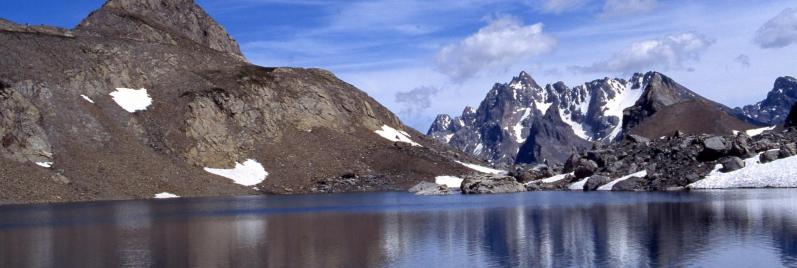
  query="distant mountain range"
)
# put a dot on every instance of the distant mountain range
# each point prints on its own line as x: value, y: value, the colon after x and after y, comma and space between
x: 521, y: 122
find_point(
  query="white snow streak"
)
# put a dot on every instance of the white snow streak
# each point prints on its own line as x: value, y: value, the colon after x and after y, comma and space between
x: 132, y: 100
x: 556, y: 178
x: 755, y: 132
x: 626, y: 97
x: 450, y: 181
x: 165, y: 195
x: 45, y: 164
x: 610, y: 185
x: 87, y: 98
x: 518, y: 128
x: 249, y: 173
x: 778, y: 174
x: 579, y: 185
x: 394, y: 135
x: 482, y: 169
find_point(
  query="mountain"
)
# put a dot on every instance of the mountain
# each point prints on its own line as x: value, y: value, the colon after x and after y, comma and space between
x: 774, y: 109
x: 153, y: 96
x: 513, y: 123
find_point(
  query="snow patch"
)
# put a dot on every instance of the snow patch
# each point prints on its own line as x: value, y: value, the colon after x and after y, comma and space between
x: 87, y: 98
x: 132, y: 100
x: 625, y: 97
x: 482, y: 169
x: 518, y: 128
x: 777, y: 174
x: 478, y: 149
x: 395, y: 135
x: 755, y: 132
x: 248, y: 173
x: 45, y: 164
x: 448, y: 137
x: 579, y: 185
x: 166, y: 195
x: 450, y: 181
x: 610, y: 185
x: 555, y: 178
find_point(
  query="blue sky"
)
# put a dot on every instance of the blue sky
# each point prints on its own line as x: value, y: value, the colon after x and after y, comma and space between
x: 421, y: 58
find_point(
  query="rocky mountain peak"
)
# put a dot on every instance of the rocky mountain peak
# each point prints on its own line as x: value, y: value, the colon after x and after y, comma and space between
x: 774, y: 109
x: 162, y: 21
x: 523, y: 80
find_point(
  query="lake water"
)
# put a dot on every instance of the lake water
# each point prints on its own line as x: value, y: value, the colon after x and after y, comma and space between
x: 734, y: 228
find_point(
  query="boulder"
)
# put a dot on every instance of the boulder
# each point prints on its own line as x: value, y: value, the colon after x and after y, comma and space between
x: 714, y: 148
x: 491, y: 184
x: 631, y: 184
x: 740, y: 146
x: 769, y: 156
x: 787, y: 150
x: 585, y: 168
x: 732, y: 164
x: 571, y: 163
x: 429, y: 188
x: 596, y: 181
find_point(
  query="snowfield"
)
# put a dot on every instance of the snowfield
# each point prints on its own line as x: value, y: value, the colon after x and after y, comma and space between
x: 164, y: 195
x: 450, y: 181
x: 132, y: 100
x: 482, y: 169
x: 610, y: 185
x: 248, y: 173
x: 395, y: 135
x: 780, y: 173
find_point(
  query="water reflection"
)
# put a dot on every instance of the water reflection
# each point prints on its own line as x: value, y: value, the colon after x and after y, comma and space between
x: 554, y: 229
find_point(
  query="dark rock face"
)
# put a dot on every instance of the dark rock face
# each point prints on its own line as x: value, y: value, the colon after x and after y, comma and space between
x: 550, y: 141
x: 791, y: 121
x: 773, y: 110
x: 585, y: 168
x: 732, y: 164
x: 787, y: 150
x: 491, y: 184
x: 429, y: 188
x: 210, y: 109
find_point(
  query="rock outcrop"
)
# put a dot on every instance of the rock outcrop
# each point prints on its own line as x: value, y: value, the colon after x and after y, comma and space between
x: 491, y: 184
x: 429, y: 188
x: 209, y: 108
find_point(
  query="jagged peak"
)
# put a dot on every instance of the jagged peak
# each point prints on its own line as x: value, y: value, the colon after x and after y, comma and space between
x: 784, y: 81
x: 468, y: 111
x: 524, y: 78
x: 161, y: 21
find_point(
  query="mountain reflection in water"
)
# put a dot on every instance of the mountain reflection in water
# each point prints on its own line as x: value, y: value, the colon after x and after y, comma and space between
x: 735, y: 228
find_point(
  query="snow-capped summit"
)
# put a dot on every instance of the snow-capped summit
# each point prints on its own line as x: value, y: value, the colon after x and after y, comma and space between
x: 512, y: 124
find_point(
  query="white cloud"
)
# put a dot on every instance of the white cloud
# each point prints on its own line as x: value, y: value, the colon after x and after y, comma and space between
x: 559, y: 6
x: 670, y: 53
x: 743, y: 60
x: 417, y: 100
x: 779, y: 31
x: 624, y: 7
x: 501, y: 43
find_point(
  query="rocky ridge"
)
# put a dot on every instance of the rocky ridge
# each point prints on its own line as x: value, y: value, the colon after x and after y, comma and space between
x: 512, y: 125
